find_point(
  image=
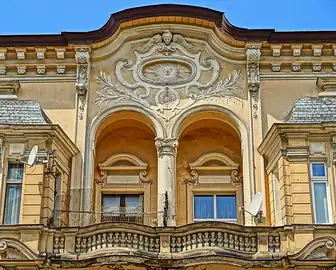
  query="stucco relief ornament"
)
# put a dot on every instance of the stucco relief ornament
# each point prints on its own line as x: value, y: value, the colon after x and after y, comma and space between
x: 166, y: 77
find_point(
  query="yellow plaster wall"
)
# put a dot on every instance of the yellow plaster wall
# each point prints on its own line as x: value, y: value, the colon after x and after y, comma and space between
x: 279, y: 96
x: 32, y: 195
x: 57, y: 100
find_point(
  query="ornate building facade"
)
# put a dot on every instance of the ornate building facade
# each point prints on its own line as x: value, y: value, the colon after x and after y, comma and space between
x: 155, y: 132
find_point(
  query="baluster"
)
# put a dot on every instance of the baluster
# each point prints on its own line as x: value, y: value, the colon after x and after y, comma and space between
x: 99, y: 242
x: 151, y: 244
x: 179, y: 244
x: 173, y: 244
x: 270, y: 243
x: 241, y: 243
x: 213, y: 239
x: 226, y: 240
x: 94, y: 242
x: 236, y: 242
x: 116, y: 240
x: 199, y: 240
x: 194, y: 241
x: 129, y: 240
x: 253, y: 244
x: 89, y: 243
x: 141, y: 242
x: 157, y: 244
x: 219, y: 239
x: 189, y: 245
x: 247, y: 244
x: 78, y: 244
x: 56, y: 245
x: 231, y: 241
x: 146, y: 243
x: 135, y: 241
x: 184, y: 243
x: 206, y: 239
x: 104, y: 240
x: 110, y: 240
x: 84, y: 245
x: 122, y: 240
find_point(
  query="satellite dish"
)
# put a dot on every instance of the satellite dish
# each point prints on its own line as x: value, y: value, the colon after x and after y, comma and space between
x: 255, y: 204
x: 32, y: 156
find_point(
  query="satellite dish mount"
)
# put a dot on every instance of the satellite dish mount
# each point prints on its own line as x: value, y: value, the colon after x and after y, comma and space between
x: 32, y: 158
x: 254, y: 208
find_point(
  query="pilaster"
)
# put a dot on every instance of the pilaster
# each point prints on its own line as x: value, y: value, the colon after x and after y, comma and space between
x: 82, y: 85
x: 253, y: 53
x: 166, y: 149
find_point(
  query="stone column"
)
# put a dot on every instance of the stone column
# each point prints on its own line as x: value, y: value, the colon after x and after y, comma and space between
x: 166, y: 149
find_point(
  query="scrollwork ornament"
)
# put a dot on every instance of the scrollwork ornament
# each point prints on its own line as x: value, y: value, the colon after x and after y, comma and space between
x: 193, y: 178
x: 236, y: 178
x: 165, y: 77
x: 103, y: 179
x: 143, y: 178
x: 3, y: 245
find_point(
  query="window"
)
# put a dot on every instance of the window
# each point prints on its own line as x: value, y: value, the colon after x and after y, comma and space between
x: 215, y: 207
x: 320, y: 191
x: 122, y: 208
x: 13, y: 194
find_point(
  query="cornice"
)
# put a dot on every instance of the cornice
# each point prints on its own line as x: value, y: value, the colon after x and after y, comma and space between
x: 143, y: 13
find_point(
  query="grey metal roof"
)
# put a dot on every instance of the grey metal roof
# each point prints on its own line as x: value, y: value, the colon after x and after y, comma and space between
x: 313, y: 110
x: 18, y: 112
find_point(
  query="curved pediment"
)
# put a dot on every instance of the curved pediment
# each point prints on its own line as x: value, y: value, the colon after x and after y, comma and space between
x: 123, y: 159
x: 12, y: 249
x: 213, y: 159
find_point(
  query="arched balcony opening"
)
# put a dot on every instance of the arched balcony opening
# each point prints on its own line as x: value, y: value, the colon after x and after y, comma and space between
x: 209, y: 172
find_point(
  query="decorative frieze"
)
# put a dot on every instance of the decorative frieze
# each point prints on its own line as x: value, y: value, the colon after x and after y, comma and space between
x: 276, y: 67
x: 40, y: 70
x: 166, y: 146
x: 82, y: 79
x: 21, y: 70
x: 60, y: 69
x: 253, y: 53
x: 317, y: 67
x: 296, y: 67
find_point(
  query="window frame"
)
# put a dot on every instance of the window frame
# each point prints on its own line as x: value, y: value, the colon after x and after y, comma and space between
x: 320, y: 179
x: 16, y: 182
x: 214, y: 200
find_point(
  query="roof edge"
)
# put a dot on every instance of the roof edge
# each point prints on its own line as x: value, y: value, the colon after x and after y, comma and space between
x: 113, y: 23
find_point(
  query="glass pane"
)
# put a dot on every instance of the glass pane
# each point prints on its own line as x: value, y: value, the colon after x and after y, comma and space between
x: 203, y: 207
x: 321, y: 203
x: 318, y: 169
x: 15, y: 172
x: 132, y: 204
x: 12, y: 206
x: 111, y: 204
x: 226, y: 207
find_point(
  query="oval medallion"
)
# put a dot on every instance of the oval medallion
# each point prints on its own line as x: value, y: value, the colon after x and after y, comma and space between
x: 169, y: 72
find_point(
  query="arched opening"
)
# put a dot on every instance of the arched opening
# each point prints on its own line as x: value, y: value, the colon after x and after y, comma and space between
x: 125, y: 169
x: 209, y: 169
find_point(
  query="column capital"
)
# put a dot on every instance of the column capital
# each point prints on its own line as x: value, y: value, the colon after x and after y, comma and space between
x: 166, y: 146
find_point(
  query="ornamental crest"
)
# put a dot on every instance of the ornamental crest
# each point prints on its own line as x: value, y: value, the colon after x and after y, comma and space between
x: 167, y: 76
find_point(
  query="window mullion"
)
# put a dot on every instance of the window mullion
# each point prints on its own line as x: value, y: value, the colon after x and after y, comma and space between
x: 215, y: 206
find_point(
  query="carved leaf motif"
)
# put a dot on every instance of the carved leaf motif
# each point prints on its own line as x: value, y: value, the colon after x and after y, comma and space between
x: 109, y: 91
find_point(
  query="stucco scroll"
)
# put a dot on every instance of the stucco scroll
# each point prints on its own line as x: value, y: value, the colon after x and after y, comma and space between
x: 167, y: 76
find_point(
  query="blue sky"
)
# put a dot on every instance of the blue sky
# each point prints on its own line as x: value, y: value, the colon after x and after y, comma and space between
x: 47, y: 16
